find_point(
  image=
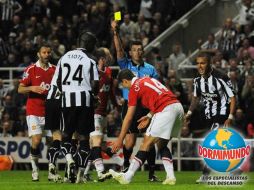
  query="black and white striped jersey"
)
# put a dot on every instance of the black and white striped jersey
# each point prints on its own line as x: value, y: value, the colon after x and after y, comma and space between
x: 76, y: 72
x: 7, y: 9
x: 54, y: 92
x: 215, y: 92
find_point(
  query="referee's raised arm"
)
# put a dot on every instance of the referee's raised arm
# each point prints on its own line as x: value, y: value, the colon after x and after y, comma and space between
x: 117, y: 40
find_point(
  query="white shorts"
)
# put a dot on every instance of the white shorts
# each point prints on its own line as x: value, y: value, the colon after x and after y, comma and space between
x: 36, y: 126
x: 167, y: 123
x: 100, y: 123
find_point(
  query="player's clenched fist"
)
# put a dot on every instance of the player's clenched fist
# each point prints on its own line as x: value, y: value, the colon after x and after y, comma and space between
x: 114, y: 25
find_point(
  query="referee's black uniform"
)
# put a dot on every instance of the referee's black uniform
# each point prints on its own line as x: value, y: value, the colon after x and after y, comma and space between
x: 215, y: 92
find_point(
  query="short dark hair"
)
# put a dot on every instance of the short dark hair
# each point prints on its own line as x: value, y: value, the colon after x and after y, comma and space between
x: 206, y: 55
x: 44, y: 45
x: 125, y: 74
x: 135, y: 42
x: 87, y: 40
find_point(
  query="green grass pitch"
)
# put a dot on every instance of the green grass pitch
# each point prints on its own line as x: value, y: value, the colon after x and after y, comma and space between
x: 21, y: 180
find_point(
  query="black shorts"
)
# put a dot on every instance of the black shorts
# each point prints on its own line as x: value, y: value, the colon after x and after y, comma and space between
x: 140, y: 112
x: 78, y: 119
x: 53, y: 114
x: 216, y: 121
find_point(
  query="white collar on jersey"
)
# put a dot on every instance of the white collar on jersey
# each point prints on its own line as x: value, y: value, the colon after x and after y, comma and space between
x: 38, y: 65
x: 133, y: 80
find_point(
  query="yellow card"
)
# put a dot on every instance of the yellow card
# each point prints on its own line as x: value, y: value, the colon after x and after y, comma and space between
x: 117, y: 15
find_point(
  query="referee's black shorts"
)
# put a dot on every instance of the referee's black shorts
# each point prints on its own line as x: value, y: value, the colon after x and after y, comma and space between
x: 78, y: 119
x: 216, y: 121
x: 140, y: 112
x: 53, y: 114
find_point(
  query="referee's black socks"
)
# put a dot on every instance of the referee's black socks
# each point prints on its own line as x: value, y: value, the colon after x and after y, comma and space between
x: 151, y: 156
x: 127, y: 154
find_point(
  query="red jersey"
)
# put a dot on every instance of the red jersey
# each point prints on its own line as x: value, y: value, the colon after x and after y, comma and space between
x: 34, y: 75
x: 105, y: 91
x: 152, y: 94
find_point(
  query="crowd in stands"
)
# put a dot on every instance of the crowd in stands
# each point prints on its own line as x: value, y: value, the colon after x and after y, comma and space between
x: 59, y: 22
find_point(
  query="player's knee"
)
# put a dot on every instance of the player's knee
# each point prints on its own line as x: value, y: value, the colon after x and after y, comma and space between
x: 96, y: 141
x: 147, y: 143
x: 36, y: 140
x: 57, y: 135
x: 128, y: 145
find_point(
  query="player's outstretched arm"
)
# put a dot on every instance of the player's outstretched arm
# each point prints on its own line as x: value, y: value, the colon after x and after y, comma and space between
x: 194, y: 103
x: 125, y: 126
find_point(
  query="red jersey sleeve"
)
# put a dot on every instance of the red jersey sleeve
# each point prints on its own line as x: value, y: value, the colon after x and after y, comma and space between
x: 26, y: 78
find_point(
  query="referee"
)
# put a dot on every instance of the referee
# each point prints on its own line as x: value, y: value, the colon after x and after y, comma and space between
x: 215, y: 91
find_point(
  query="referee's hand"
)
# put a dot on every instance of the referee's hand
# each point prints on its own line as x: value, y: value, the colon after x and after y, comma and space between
x: 114, y: 26
x: 187, y: 118
x: 228, y: 123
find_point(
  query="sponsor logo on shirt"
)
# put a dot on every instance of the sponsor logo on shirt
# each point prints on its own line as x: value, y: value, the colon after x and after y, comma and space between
x: 45, y: 86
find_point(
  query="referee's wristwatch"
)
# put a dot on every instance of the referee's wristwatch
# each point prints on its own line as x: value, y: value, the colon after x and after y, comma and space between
x: 189, y: 113
x: 231, y: 116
